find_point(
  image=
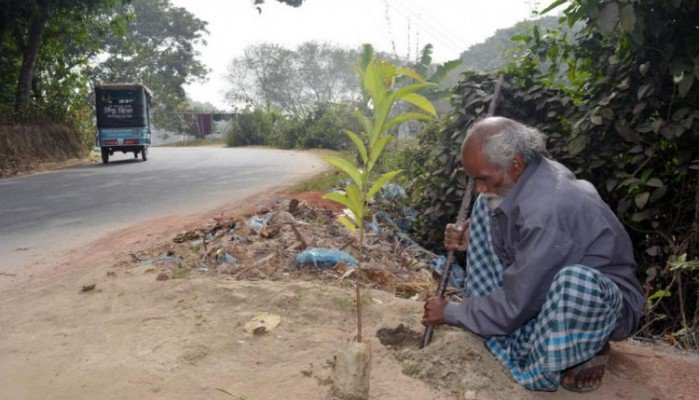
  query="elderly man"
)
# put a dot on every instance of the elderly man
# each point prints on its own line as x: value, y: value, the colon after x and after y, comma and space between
x: 551, y: 274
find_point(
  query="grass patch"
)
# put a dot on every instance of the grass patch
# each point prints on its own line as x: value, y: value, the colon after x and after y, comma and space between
x: 197, y: 142
x: 324, y: 181
x: 412, y: 370
x: 181, y: 273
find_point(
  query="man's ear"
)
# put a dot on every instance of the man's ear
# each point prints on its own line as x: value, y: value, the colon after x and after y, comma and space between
x: 518, y: 166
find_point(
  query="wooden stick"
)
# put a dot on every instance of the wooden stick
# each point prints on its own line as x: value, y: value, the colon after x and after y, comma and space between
x: 299, y: 236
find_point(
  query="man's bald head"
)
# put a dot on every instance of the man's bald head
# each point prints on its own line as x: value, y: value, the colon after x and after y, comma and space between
x: 500, y: 139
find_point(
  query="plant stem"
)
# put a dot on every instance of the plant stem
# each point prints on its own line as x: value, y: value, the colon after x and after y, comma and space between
x: 680, y: 296
x: 357, y: 285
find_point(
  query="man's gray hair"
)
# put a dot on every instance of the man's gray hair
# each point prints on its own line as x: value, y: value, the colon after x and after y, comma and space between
x: 504, y: 137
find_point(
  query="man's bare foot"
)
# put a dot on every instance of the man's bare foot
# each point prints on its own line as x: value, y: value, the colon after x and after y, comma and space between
x: 587, y: 376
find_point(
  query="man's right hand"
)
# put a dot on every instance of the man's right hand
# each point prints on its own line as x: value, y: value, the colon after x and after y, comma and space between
x: 456, y: 237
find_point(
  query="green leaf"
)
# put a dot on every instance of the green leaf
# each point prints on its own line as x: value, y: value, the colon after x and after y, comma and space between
x: 642, y: 91
x: 627, y: 18
x: 378, y: 147
x: 552, y: 6
x: 682, y: 264
x: 641, y: 199
x: 373, y: 83
x: 410, y: 73
x: 365, y: 121
x: 357, y: 142
x: 405, y: 117
x: 639, y: 216
x: 383, y: 179
x: 577, y: 145
x: 608, y: 17
x: 347, y: 223
x: 381, y: 111
x: 685, y: 85
x: 659, y: 294
x: 355, y: 197
x: 340, y: 198
x: 655, y: 182
x: 421, y: 102
x: 520, y: 38
x: 407, y: 89
x: 346, y: 167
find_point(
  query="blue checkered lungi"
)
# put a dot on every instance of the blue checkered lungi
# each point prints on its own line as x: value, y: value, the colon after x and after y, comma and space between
x: 581, y: 310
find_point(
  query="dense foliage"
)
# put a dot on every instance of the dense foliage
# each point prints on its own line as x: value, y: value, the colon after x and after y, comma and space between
x: 52, y: 52
x: 619, y: 105
x: 44, y: 50
x: 320, y: 128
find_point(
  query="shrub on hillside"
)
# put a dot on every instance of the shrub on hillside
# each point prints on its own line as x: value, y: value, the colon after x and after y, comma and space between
x: 322, y: 128
x: 252, y: 127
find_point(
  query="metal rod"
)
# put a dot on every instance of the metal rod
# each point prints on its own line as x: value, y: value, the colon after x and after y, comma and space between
x: 461, y: 216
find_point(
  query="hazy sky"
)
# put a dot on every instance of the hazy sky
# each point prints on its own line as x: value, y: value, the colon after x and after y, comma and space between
x: 450, y: 25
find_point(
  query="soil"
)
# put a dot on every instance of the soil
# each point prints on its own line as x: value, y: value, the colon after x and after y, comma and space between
x: 133, y: 336
x: 39, y: 145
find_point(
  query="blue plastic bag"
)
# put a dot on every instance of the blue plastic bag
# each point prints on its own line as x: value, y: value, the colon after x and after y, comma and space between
x: 324, y: 258
x: 457, y: 277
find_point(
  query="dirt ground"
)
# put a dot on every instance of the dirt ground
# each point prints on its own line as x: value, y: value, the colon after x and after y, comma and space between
x: 135, y: 337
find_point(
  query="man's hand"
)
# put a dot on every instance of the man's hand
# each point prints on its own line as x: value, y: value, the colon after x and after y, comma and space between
x: 434, y: 311
x: 456, y: 237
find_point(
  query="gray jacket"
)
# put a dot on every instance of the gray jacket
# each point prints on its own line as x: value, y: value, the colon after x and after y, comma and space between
x: 549, y: 220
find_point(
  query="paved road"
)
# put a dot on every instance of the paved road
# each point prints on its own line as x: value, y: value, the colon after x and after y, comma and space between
x: 55, y: 211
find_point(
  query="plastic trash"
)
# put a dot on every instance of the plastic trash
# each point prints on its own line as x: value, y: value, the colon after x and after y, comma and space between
x: 324, y: 258
x: 168, y: 260
x: 257, y: 222
x: 374, y: 226
x: 226, y: 258
x: 203, y: 270
x: 457, y: 277
x: 391, y: 192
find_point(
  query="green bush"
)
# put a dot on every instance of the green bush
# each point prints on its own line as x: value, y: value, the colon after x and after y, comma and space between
x: 252, y: 127
x: 323, y: 127
x: 319, y: 129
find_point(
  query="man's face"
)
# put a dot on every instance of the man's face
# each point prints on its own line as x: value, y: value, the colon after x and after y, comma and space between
x: 490, y: 178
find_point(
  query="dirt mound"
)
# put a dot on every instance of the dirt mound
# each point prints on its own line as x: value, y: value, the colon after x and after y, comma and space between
x: 455, y: 361
x: 27, y: 146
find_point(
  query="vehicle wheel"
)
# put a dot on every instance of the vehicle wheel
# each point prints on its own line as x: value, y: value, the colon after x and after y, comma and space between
x: 144, y: 153
x: 105, y: 156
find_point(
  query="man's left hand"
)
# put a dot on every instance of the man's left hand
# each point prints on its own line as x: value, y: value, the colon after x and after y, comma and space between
x: 434, y: 311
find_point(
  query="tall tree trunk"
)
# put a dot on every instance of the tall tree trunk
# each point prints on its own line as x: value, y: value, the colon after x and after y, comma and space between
x: 26, y: 74
x: 36, y: 89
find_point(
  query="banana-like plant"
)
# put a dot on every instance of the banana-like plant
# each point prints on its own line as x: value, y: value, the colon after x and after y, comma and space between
x: 378, y: 79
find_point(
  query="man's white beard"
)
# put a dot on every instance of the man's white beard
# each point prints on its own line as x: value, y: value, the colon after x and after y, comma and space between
x: 493, y: 200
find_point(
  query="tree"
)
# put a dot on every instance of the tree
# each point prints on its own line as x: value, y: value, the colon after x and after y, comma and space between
x: 269, y: 75
x: 23, y: 30
x: 158, y: 50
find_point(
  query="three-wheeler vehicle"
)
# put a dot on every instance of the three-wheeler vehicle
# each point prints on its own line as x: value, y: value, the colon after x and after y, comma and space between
x: 123, y: 119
